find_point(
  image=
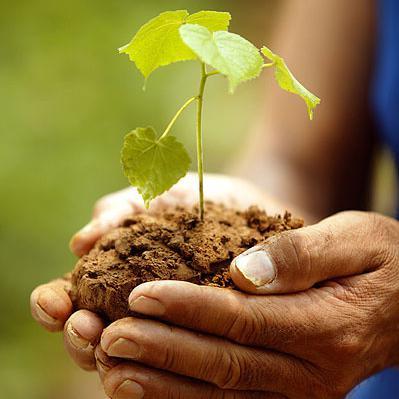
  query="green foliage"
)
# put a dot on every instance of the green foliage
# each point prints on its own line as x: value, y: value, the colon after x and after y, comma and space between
x: 287, y: 81
x: 158, y: 42
x: 230, y: 54
x: 152, y: 164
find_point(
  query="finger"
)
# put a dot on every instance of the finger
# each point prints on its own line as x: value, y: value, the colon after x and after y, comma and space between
x: 109, y: 212
x: 81, y: 335
x: 245, y: 319
x: 214, y: 360
x: 285, y: 323
x: 127, y: 199
x: 50, y: 304
x: 104, y: 363
x: 133, y: 381
x: 296, y: 260
x: 206, y: 309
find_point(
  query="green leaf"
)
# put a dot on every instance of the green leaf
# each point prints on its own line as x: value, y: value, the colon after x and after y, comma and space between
x: 229, y: 53
x: 158, y: 42
x: 213, y: 20
x: 153, y: 165
x: 287, y: 81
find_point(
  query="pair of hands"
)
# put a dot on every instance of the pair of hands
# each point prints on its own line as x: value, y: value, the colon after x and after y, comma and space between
x: 333, y: 319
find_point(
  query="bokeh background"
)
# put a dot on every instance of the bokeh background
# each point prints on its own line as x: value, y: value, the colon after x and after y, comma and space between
x: 66, y: 101
x: 67, y: 98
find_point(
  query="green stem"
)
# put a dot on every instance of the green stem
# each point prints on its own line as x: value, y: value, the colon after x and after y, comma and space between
x: 212, y: 73
x: 270, y: 64
x: 200, y: 153
x: 178, y: 113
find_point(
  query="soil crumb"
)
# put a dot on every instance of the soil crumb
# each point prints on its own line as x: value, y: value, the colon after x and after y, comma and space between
x: 172, y: 245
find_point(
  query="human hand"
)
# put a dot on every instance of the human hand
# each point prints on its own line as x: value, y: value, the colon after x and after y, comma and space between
x: 50, y: 303
x: 333, y: 320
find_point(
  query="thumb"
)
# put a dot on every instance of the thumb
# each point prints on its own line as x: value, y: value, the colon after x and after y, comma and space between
x: 109, y: 212
x: 296, y: 260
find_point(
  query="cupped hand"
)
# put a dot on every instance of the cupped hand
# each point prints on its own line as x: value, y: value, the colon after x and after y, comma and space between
x: 333, y: 320
x: 50, y: 303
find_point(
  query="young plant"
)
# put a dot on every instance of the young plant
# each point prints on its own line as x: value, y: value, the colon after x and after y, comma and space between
x: 154, y: 163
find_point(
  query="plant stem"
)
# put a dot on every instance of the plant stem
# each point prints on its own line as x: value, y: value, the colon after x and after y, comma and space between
x: 212, y: 73
x: 178, y: 113
x: 270, y: 64
x: 200, y: 153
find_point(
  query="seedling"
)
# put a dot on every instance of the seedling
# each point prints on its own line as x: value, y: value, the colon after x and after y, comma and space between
x: 154, y: 163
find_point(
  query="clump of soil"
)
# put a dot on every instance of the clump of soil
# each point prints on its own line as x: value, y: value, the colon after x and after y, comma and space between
x: 171, y: 245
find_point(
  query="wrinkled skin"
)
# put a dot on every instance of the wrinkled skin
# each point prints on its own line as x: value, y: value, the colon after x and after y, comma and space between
x: 333, y: 318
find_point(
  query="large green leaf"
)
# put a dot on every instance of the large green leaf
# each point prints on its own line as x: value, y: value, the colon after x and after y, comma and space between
x: 153, y: 165
x: 158, y: 42
x: 229, y: 53
x: 288, y: 82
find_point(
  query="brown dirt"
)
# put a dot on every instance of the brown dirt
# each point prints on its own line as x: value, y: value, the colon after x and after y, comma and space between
x: 169, y: 246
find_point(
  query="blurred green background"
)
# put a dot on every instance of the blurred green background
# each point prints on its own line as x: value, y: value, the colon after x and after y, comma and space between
x: 66, y: 101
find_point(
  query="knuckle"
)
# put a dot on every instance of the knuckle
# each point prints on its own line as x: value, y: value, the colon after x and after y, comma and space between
x: 336, y: 389
x: 293, y: 255
x: 325, y: 383
x: 300, y: 249
x: 382, y: 250
x: 260, y: 320
x: 230, y: 376
x: 168, y: 359
x: 335, y: 380
x: 329, y: 392
x: 351, y: 348
x: 246, y: 324
x: 386, y: 233
x: 348, y: 347
x: 330, y: 387
x: 238, y: 369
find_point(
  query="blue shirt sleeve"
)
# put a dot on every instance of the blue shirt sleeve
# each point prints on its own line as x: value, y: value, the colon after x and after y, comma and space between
x: 385, y: 96
x: 385, y: 101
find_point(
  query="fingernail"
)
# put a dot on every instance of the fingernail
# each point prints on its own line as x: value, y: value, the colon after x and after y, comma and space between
x: 86, y: 325
x: 256, y: 266
x: 43, y: 315
x: 76, y: 339
x: 147, y: 306
x: 129, y: 390
x: 45, y: 302
x: 76, y: 246
x: 77, y: 243
x: 124, y: 348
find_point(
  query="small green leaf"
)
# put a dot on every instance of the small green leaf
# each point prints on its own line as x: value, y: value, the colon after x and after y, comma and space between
x: 229, y: 53
x: 153, y: 165
x: 158, y: 42
x: 287, y: 81
x: 213, y: 20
